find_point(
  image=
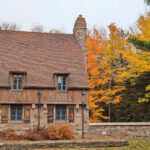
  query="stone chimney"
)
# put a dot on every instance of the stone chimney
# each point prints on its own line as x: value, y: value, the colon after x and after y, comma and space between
x: 79, y: 32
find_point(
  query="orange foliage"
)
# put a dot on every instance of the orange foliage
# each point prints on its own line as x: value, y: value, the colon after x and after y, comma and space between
x: 57, y: 132
x: 104, y: 69
x: 113, y: 60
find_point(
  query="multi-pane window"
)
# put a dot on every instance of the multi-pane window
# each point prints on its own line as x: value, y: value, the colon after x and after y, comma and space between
x: 17, y: 82
x: 61, y: 83
x: 16, y: 113
x: 60, y: 112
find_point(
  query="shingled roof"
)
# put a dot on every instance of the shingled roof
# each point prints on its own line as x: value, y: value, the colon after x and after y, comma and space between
x: 41, y: 55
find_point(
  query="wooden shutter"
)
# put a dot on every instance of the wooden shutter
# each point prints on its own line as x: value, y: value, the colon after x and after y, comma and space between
x: 71, y: 113
x: 4, y: 113
x: 50, y: 114
x: 27, y: 109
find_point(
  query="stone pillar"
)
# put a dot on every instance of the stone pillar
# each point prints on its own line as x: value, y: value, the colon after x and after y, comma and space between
x: 77, y: 125
x: 43, y: 115
x: 44, y: 122
x: 34, y: 116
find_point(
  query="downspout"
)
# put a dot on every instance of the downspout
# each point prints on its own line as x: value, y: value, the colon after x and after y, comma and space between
x: 83, y: 94
x: 39, y: 108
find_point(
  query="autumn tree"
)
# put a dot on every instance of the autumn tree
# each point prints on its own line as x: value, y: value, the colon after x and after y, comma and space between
x: 137, y: 58
x: 105, y: 65
x: 129, y: 110
x: 142, y: 40
x: 95, y: 49
x: 144, y: 46
x: 136, y: 75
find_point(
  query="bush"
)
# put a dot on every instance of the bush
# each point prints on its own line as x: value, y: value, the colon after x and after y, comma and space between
x: 54, y: 132
x: 10, y: 135
x: 36, y: 134
x: 57, y: 132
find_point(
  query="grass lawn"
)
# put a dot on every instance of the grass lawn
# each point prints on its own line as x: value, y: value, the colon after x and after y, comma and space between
x: 133, y: 145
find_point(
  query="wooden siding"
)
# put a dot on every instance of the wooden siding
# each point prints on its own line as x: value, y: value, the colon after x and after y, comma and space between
x: 48, y: 96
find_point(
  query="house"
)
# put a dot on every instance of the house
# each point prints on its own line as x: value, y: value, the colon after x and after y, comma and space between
x: 43, y: 79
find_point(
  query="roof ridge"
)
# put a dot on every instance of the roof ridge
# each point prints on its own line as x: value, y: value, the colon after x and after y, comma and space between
x: 22, y: 31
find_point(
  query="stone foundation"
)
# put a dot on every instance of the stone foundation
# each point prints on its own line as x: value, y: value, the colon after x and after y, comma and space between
x: 120, y: 130
x: 20, y: 126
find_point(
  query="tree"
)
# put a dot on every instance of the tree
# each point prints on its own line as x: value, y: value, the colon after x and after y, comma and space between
x: 95, y: 46
x: 114, y: 66
x: 140, y: 44
x: 147, y: 1
x: 10, y: 26
x: 55, y: 31
x: 142, y: 39
x: 104, y: 70
x: 141, y: 58
x: 129, y: 110
x: 37, y: 28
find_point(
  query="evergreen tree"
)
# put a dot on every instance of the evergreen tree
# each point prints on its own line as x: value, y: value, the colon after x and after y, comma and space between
x: 147, y: 1
x: 140, y: 44
x: 142, y: 39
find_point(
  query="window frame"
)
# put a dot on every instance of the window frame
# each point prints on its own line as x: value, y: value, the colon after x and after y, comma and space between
x: 60, y: 109
x: 18, y: 76
x: 62, y: 83
x: 16, y: 113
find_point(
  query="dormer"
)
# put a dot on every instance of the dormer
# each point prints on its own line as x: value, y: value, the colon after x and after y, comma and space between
x: 17, y: 80
x: 61, y: 81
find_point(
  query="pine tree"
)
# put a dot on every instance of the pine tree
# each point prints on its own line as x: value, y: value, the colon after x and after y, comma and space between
x: 142, y: 40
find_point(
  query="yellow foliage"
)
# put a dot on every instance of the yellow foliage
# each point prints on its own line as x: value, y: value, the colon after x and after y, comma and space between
x: 101, y: 55
x: 143, y: 25
x: 112, y: 61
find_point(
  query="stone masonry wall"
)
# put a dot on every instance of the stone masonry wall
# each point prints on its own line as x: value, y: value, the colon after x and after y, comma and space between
x: 20, y: 126
x: 120, y: 130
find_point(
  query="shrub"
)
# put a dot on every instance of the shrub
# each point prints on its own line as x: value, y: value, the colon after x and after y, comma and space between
x: 57, y: 132
x: 36, y: 134
x: 10, y: 135
x: 54, y: 132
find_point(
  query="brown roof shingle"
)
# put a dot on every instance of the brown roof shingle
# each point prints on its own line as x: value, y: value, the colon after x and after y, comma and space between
x: 41, y: 55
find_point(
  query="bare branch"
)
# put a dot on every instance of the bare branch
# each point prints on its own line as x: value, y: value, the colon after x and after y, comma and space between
x: 37, y: 28
x: 10, y: 26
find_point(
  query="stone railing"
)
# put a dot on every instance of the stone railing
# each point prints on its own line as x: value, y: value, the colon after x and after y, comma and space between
x: 133, y: 130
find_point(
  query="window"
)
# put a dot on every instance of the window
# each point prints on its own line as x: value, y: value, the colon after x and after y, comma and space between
x: 61, y: 83
x: 60, y: 112
x: 17, y: 82
x: 16, y: 113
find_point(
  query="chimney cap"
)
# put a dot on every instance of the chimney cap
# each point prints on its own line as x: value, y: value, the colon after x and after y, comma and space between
x: 80, y: 16
x: 80, y: 23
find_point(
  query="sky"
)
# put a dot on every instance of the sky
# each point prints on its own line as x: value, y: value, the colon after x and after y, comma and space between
x: 61, y: 14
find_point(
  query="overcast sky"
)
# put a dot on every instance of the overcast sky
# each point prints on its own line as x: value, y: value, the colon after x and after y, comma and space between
x: 61, y: 14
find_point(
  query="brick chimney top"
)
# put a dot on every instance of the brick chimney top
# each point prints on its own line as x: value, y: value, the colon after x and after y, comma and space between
x: 80, y: 23
x: 79, y: 32
x: 80, y: 16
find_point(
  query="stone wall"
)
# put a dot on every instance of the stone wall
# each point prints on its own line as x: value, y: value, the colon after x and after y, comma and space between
x: 20, y: 126
x: 137, y: 130
x: 62, y: 144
